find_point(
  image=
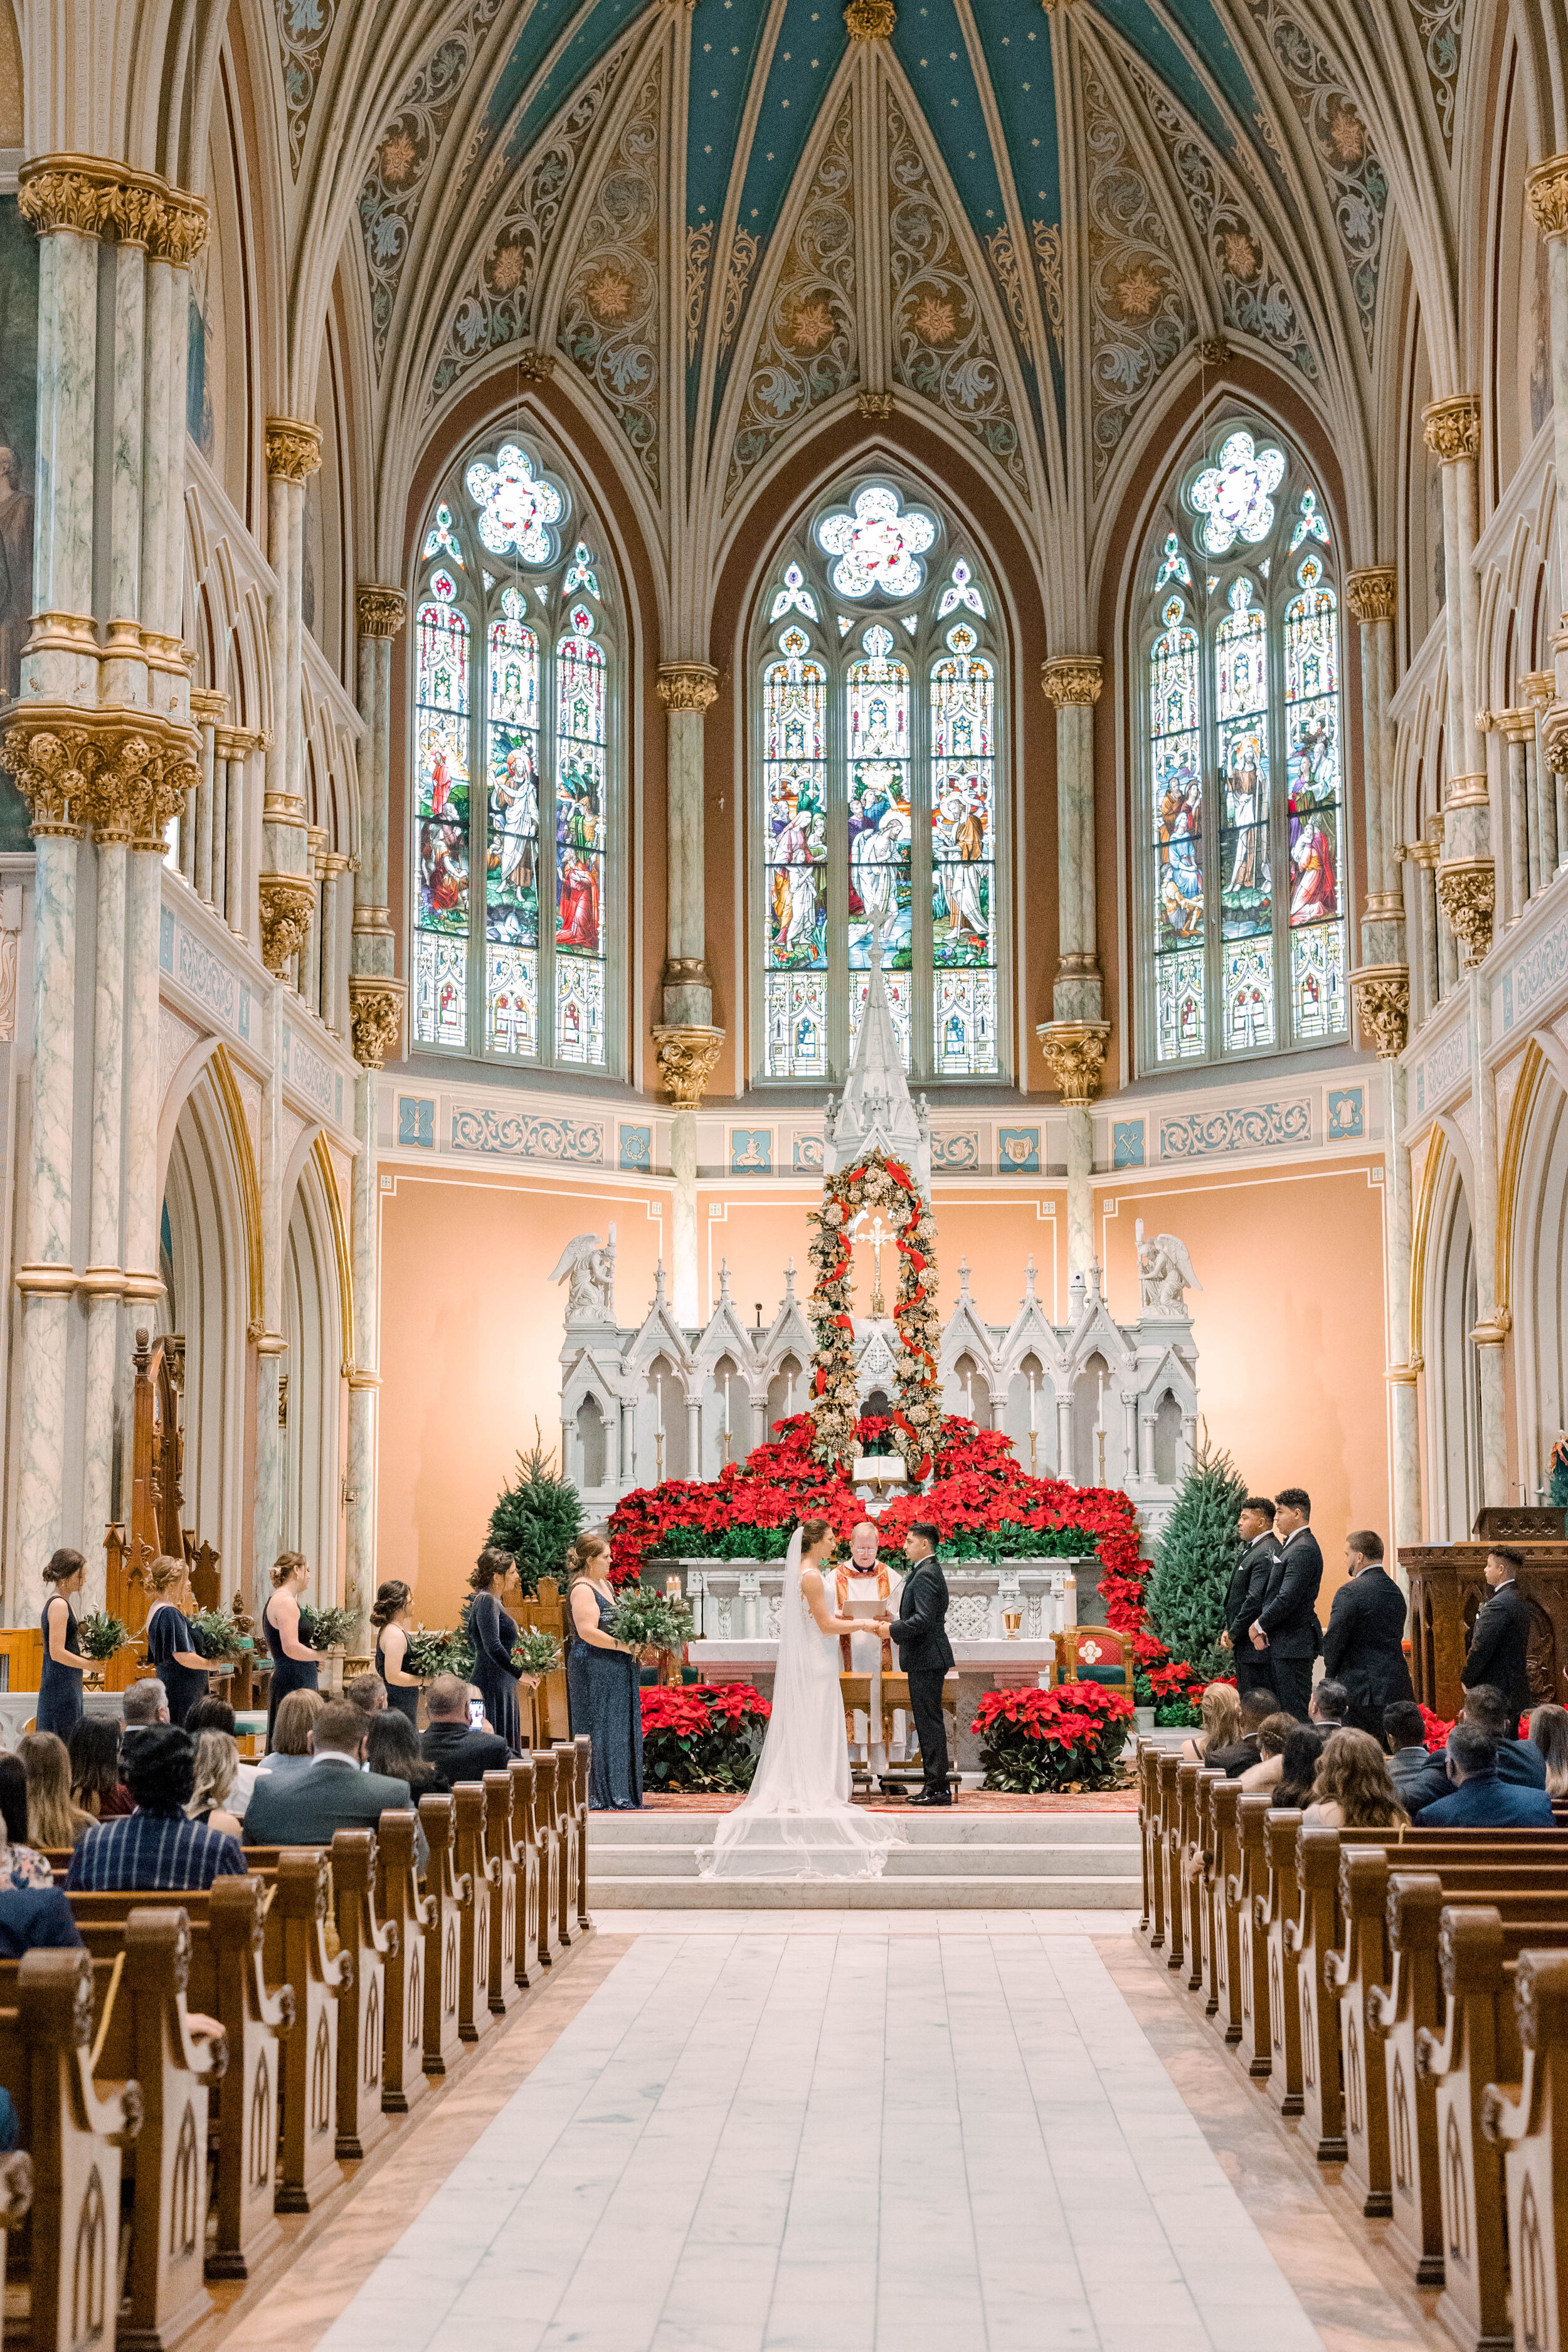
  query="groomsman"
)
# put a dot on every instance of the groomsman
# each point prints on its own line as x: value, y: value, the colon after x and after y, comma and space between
x: 1363, y: 1645
x: 1244, y: 1595
x: 1500, y: 1638
x: 1287, y: 1625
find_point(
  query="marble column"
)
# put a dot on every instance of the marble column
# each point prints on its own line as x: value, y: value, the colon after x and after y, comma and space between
x: 236, y: 745
x: 1466, y: 878
x: 267, y: 1336
x: 104, y: 1278
x: 1423, y: 858
x: 287, y: 894
x: 143, y: 1194
x: 335, y: 865
x: 1074, y: 1039
x: 1536, y: 690
x: 1517, y: 727
x: 365, y: 1376
x: 1381, y: 983
x: 1403, y: 1368
x: 312, y: 979
x: 686, y: 1057
x: 1492, y: 1322
x: 1546, y: 193
x: 686, y: 690
x: 209, y: 711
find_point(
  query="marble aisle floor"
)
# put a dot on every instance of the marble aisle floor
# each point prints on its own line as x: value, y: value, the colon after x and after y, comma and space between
x: 761, y: 2139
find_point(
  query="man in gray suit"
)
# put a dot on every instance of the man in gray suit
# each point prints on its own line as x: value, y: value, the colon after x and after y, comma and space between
x: 305, y: 1808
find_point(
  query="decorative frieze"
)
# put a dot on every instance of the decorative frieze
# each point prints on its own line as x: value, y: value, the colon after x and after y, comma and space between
x: 1453, y: 428
x: 1073, y: 678
x: 376, y: 1016
x: 1075, y: 1051
x: 1554, y: 737
x: 380, y: 612
x: 1382, y: 992
x: 687, y: 1054
x: 1467, y: 889
x: 293, y: 448
x: 874, y: 406
x: 687, y: 686
x: 95, y: 197
x: 1546, y: 193
x: 1372, y: 593
x: 288, y: 902
x: 121, y: 773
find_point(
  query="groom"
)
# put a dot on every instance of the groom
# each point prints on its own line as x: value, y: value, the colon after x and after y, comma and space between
x: 925, y: 1655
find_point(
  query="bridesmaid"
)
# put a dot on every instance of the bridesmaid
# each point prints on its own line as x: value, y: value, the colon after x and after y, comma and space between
x: 295, y: 1666
x: 59, y: 1682
x: 601, y: 1683
x: 492, y: 1634
x: 394, y: 1608
x: 171, y: 1650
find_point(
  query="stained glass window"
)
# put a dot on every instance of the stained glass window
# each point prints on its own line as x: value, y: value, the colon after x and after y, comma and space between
x: 1244, y: 766
x: 520, y: 972
x: 878, y: 805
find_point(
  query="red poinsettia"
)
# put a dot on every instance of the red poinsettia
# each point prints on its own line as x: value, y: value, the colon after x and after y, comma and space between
x: 1066, y: 1737
x: 696, y: 1737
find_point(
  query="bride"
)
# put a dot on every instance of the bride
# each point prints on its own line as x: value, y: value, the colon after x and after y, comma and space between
x: 797, y: 1820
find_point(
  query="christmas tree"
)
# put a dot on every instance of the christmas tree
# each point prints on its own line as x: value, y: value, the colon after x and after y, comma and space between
x: 1193, y: 1561
x: 536, y: 1518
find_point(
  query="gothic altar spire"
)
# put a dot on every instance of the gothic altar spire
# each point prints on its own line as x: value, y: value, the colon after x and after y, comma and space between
x: 875, y: 1112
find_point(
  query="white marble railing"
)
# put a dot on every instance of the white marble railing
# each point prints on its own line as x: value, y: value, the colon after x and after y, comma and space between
x: 737, y: 1600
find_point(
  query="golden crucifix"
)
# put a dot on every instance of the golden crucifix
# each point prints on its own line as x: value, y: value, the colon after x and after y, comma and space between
x: 880, y: 1238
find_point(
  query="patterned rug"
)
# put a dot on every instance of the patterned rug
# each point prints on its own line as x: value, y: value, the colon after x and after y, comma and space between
x: 972, y: 1801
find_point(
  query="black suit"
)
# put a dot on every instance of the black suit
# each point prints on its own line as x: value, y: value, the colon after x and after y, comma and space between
x: 1499, y: 1644
x: 460, y: 1751
x: 1290, y: 1619
x: 1363, y: 1646
x: 925, y: 1656
x: 1244, y: 1597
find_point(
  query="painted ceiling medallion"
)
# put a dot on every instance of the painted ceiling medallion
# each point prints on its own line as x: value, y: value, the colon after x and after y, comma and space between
x: 870, y: 20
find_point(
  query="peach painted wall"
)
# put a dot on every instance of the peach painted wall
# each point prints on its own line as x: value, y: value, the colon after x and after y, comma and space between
x: 1289, y: 1323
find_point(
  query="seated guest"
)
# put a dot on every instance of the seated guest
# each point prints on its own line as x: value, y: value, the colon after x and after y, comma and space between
x: 1329, y: 1706
x: 1238, y: 1756
x: 368, y: 1693
x: 1268, y: 1772
x: 145, y: 1703
x: 213, y: 1800
x: 1352, y: 1789
x: 216, y: 1715
x: 1299, y: 1767
x: 1482, y: 1798
x: 35, y: 1919
x: 1549, y: 1732
x: 450, y: 1744
x: 1417, y: 1774
x: 1518, y: 1761
x: 20, y: 1868
x: 393, y: 1750
x: 308, y: 1808
x: 1221, y: 1726
x: 156, y: 1847
x: 289, y: 1748
x: 96, y: 1784
x: 52, y: 1818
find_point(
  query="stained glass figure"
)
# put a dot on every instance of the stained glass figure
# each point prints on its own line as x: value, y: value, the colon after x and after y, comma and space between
x: 511, y: 849
x: 1315, y: 806
x: 963, y: 833
x: 516, y: 508
x: 1241, y: 713
x: 580, y: 797
x: 794, y: 596
x: 1236, y: 497
x: 1178, y: 805
x: 879, y: 825
x: 794, y: 789
x: 878, y: 548
x: 441, y: 767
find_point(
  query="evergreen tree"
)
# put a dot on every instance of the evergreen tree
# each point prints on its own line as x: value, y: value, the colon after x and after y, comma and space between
x: 1193, y: 1559
x: 537, y: 1517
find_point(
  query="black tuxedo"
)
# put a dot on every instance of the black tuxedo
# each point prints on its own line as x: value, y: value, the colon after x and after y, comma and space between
x: 1288, y: 1617
x: 925, y: 1655
x: 1499, y: 1644
x: 1244, y: 1597
x: 1363, y: 1646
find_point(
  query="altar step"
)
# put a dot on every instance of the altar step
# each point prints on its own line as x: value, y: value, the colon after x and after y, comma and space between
x: 950, y: 1861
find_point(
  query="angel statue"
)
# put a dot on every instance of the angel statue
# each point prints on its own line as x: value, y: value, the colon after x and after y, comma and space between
x: 1164, y: 1274
x: 588, y: 1267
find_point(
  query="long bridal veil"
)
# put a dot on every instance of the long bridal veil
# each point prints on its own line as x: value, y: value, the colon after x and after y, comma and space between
x: 797, y: 1820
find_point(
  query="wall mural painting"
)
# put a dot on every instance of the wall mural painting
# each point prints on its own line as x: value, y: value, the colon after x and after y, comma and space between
x: 18, y: 459
x: 609, y: 319
x: 1140, y: 316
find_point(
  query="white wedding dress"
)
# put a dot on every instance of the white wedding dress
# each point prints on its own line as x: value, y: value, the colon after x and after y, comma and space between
x: 797, y: 1820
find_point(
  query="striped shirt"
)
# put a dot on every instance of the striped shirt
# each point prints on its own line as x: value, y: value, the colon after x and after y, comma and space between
x: 154, y: 1851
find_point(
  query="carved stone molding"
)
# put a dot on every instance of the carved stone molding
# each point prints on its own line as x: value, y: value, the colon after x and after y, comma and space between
x: 1453, y: 427
x: 1382, y: 993
x: 1213, y: 350
x: 1546, y: 193
x: 208, y: 708
x: 687, y: 1054
x: 287, y: 903
x: 380, y: 612
x: 1537, y: 687
x: 122, y: 773
x: 1385, y: 906
x: 1472, y: 791
x: 870, y: 20
x: 1073, y: 678
x: 293, y: 448
x: 1466, y: 890
x: 376, y: 1016
x: 535, y: 366
x: 874, y: 405
x: 1373, y: 591
x: 687, y: 686
x: 95, y: 197
x: 1554, y: 737
x: 686, y: 971
x: 238, y: 743
x: 1518, y: 724
x: 1076, y: 1053
x: 1493, y: 1333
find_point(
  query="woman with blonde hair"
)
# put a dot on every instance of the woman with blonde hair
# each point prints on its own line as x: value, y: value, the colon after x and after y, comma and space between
x: 1352, y: 1789
x: 295, y: 1666
x: 1549, y: 1732
x: 218, y: 1776
x: 53, y: 1820
x: 1221, y: 1726
x: 171, y: 1650
x: 290, y: 1731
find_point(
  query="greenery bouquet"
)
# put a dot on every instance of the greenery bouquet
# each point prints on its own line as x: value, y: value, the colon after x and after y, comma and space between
x: 648, y: 1620
x: 437, y: 1650
x: 535, y: 1651
x: 327, y: 1629
x: 101, y: 1635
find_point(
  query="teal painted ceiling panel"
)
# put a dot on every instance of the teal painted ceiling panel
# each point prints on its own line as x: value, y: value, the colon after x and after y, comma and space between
x: 929, y: 43
x: 811, y: 41
x: 598, y: 26
x: 727, y: 51
x: 1016, y: 40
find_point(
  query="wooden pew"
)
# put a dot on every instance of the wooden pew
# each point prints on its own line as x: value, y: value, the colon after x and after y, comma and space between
x: 1189, y: 1884
x: 1530, y: 2130
x: 584, y: 1747
x: 296, y: 1954
x: 74, y: 2133
x: 1278, y: 1908
x: 1311, y: 1934
x: 545, y: 1763
x: 1249, y: 1896
x: 1208, y: 1963
x: 369, y: 1941
x: 1151, y: 1926
x: 1225, y: 1807
x: 1357, y: 1974
x: 1409, y: 2008
x: 15, y: 2202
x: 525, y: 1863
x: 227, y: 1980
x: 567, y: 1831
x: 474, y: 1963
x: 501, y: 1857
x: 449, y: 1893
x: 1170, y: 1864
x: 399, y: 1901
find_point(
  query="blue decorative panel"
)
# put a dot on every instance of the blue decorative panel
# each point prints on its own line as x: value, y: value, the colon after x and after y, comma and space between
x: 1017, y: 1151
x: 1264, y: 1127
x: 1126, y: 1143
x: 1507, y: 1001
x: 1420, y: 1087
x: 305, y: 1070
x: 1444, y: 1068
x: 417, y: 1121
x: 1346, y: 1118
x: 245, y: 1012
x: 167, y: 939
x: 958, y: 1150
x: 751, y: 1152
x: 518, y: 1133
x: 810, y: 1155
x: 1540, y: 972
x: 637, y: 1149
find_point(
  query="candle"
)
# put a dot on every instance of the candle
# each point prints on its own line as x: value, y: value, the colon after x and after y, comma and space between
x: 672, y: 1588
x: 1034, y: 1400
x: 726, y: 1409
